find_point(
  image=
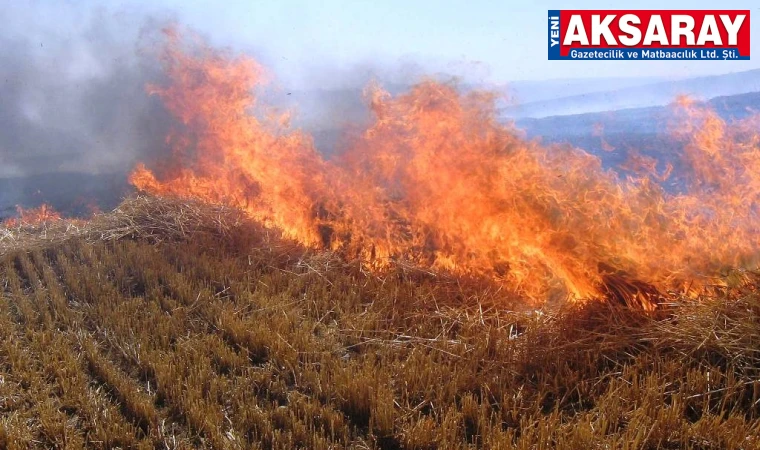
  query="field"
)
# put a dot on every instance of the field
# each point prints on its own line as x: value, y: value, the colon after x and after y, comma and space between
x: 238, y: 339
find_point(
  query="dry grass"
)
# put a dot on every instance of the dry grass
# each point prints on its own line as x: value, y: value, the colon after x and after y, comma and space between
x: 138, y: 217
x: 171, y: 324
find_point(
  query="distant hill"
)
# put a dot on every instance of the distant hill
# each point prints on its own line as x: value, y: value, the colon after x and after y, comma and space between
x: 613, y: 135
x: 534, y: 91
x: 652, y: 94
x: 630, y: 120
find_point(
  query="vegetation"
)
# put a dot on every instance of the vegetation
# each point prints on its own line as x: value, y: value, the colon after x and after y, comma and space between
x: 174, y: 325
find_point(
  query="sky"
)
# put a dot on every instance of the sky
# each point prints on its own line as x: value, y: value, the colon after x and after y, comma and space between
x: 495, y: 41
x: 482, y: 41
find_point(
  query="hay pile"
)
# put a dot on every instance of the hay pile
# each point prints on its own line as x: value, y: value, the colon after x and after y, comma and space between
x: 140, y: 217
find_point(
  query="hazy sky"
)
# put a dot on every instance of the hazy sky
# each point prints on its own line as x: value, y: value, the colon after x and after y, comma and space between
x: 496, y: 40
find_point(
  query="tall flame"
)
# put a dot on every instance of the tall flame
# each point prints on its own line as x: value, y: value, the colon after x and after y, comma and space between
x: 437, y: 179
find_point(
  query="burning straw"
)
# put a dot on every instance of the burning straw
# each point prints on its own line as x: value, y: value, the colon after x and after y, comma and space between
x: 438, y: 180
x: 439, y: 183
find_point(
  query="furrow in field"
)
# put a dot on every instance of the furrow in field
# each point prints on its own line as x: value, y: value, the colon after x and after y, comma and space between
x: 153, y: 344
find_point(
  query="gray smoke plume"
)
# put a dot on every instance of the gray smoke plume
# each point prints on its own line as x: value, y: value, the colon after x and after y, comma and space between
x: 73, y: 101
x: 75, y: 115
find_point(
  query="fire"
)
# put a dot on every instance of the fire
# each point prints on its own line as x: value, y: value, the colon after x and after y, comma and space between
x: 32, y: 216
x: 438, y: 180
x: 225, y: 154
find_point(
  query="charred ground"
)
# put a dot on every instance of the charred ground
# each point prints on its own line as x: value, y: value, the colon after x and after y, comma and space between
x: 170, y: 325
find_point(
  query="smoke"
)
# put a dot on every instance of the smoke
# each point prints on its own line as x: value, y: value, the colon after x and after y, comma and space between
x: 76, y: 101
x: 76, y: 116
x: 73, y: 90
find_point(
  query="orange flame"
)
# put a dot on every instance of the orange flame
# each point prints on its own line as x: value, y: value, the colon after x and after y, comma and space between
x: 32, y: 216
x: 438, y: 180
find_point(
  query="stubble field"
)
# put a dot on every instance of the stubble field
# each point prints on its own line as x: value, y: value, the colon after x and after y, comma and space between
x: 242, y: 340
